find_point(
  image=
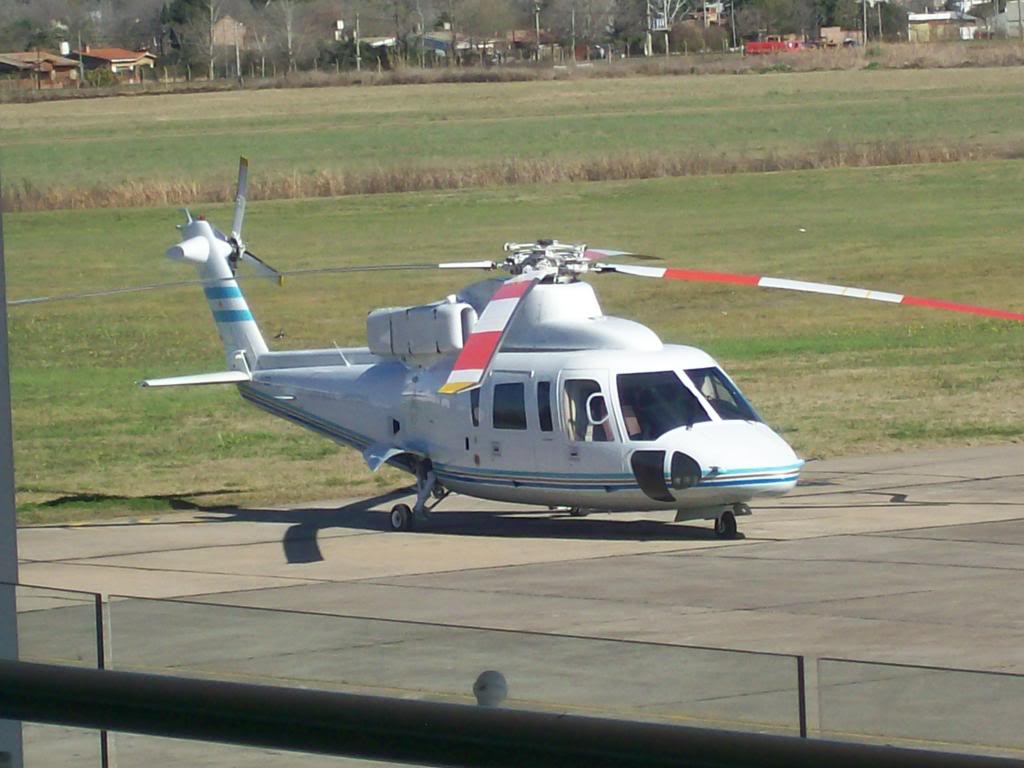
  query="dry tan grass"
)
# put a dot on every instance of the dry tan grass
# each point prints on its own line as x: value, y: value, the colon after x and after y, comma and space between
x: 508, y: 172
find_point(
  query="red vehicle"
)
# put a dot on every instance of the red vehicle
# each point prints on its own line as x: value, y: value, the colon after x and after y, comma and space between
x: 771, y: 45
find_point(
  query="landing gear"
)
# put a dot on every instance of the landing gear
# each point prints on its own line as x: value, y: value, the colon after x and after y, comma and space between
x: 725, y: 525
x: 403, y: 517
x: 578, y: 512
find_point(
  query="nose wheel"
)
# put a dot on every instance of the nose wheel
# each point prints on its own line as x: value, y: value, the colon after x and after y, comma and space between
x: 725, y: 523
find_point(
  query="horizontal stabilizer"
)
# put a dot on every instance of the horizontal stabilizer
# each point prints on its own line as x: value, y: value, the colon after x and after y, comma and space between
x: 221, y: 377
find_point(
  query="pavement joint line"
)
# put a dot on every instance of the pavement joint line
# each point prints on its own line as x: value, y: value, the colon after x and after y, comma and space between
x: 306, y: 579
x: 522, y: 593
x: 194, y: 548
x: 866, y: 561
x: 922, y: 484
x: 940, y: 539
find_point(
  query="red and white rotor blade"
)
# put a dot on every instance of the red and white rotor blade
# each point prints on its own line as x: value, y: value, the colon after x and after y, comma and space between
x: 695, y: 275
x: 596, y: 254
x: 475, y: 358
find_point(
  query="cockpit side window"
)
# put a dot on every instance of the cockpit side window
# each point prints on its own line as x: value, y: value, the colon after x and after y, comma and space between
x: 655, y: 402
x: 722, y: 395
x: 584, y: 407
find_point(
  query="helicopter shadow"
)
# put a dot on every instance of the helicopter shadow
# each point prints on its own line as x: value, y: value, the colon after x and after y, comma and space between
x: 301, y: 540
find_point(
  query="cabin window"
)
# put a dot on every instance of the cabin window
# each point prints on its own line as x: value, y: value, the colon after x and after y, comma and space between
x: 544, y: 405
x: 722, y: 395
x: 509, y: 406
x: 474, y: 405
x: 586, y: 413
x: 654, y: 403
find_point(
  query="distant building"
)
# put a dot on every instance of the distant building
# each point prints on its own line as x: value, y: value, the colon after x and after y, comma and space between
x: 940, y: 27
x: 38, y: 69
x: 127, y: 66
x: 1010, y: 21
x: 229, y: 32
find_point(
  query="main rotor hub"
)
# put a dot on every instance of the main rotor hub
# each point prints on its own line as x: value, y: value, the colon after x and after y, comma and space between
x: 568, y: 261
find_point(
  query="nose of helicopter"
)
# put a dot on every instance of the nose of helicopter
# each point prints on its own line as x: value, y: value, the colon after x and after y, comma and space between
x: 740, y: 457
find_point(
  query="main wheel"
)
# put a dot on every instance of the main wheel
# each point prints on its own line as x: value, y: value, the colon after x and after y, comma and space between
x: 401, y: 518
x: 578, y: 512
x: 725, y: 526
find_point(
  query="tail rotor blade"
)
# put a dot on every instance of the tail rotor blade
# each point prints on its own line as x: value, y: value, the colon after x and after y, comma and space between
x: 804, y: 286
x: 262, y: 268
x: 240, y: 196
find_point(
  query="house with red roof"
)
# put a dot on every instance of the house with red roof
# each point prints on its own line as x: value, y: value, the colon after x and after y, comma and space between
x: 38, y: 69
x: 127, y: 66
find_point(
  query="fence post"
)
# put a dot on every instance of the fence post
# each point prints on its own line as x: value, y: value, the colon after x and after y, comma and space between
x: 101, y: 663
x: 801, y: 696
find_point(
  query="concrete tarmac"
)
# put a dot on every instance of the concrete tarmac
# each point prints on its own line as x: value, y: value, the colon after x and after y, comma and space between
x: 915, y: 558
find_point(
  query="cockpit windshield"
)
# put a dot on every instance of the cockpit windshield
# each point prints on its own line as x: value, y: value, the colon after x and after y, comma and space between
x: 656, y: 402
x: 722, y: 395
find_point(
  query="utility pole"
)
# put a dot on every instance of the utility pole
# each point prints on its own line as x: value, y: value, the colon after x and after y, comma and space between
x: 573, y: 26
x: 1020, y: 27
x: 878, y: 5
x: 732, y: 20
x: 864, y: 3
x: 10, y: 730
x: 238, y: 56
x: 648, y: 41
x: 536, y: 26
x: 359, y: 58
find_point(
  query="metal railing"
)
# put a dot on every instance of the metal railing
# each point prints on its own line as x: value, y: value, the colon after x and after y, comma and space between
x: 933, y: 708
x: 418, y: 732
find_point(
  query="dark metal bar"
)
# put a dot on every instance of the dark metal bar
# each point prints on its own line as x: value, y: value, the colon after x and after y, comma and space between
x: 801, y: 690
x: 101, y: 663
x: 101, y: 653
x: 10, y: 732
x: 420, y: 732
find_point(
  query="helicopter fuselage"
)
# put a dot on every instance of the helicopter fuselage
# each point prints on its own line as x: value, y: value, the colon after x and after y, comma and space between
x: 594, y: 429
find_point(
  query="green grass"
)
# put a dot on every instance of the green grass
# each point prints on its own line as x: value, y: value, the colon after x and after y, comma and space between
x: 836, y: 376
x: 196, y: 138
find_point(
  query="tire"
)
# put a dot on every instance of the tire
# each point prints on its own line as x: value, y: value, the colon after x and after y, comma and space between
x: 401, y: 518
x: 578, y: 512
x: 725, y: 526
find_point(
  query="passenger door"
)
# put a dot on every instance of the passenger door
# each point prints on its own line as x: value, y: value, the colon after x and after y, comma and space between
x: 508, y: 420
x: 591, y: 441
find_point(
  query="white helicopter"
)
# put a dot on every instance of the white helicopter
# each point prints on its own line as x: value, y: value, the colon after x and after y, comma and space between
x: 518, y: 389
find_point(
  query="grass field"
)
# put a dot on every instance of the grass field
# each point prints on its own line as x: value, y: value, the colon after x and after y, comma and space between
x: 835, y: 376
x: 155, y: 142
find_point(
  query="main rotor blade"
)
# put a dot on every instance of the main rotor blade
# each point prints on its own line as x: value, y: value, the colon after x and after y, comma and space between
x: 595, y: 254
x: 243, y: 188
x: 476, y: 356
x: 100, y: 292
x: 467, y: 265
x: 694, y: 275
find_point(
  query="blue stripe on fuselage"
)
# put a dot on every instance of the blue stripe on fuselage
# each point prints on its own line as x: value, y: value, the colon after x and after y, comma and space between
x: 223, y: 292
x: 232, y: 315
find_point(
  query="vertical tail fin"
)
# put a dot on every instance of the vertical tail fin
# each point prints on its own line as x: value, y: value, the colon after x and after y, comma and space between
x: 211, y: 254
